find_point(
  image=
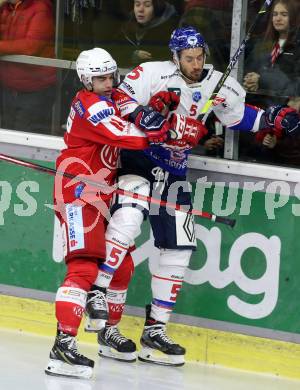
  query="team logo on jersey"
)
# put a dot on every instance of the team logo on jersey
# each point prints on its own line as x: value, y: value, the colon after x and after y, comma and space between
x: 175, y: 90
x: 109, y: 156
x: 97, y: 118
x: 177, y: 155
x: 196, y: 96
x: 178, y: 152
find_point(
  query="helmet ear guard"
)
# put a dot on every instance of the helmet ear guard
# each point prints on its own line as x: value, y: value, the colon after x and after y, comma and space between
x: 87, y: 82
x: 117, y: 78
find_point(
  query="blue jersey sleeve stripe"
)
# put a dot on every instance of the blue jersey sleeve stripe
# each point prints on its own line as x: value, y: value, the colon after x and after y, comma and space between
x: 247, y: 123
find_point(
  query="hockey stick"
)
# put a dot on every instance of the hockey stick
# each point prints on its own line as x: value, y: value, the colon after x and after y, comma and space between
x: 149, y: 199
x: 213, y: 98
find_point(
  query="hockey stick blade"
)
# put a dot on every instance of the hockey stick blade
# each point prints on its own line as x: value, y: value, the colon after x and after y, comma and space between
x: 120, y: 191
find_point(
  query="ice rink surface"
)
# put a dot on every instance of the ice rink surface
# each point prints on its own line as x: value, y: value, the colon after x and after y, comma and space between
x: 23, y: 358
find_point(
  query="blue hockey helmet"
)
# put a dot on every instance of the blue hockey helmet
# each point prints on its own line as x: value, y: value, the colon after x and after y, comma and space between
x: 187, y: 38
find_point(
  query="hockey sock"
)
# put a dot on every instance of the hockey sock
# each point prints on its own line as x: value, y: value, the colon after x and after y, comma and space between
x: 71, y: 296
x: 123, y: 228
x: 117, y: 291
x: 115, y: 254
x: 167, y: 282
x: 165, y: 285
x: 69, y: 307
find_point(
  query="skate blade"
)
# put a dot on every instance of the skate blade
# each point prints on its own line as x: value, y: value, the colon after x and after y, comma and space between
x: 149, y: 355
x: 93, y: 325
x: 108, y: 352
x: 59, y: 368
x: 64, y: 383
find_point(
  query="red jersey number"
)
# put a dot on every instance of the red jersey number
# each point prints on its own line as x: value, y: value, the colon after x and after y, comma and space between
x: 175, y: 290
x: 114, y: 257
x: 135, y: 74
x: 193, y: 110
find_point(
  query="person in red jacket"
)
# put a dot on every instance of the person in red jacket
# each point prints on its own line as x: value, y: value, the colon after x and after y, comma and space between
x: 95, y: 132
x: 28, y: 91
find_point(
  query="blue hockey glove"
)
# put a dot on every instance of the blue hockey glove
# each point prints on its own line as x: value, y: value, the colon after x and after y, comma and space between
x: 154, y: 125
x: 283, y: 120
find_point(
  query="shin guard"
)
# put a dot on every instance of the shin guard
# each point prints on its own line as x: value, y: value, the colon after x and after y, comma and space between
x: 123, y: 228
x: 71, y: 296
x: 167, y: 282
x: 117, y: 291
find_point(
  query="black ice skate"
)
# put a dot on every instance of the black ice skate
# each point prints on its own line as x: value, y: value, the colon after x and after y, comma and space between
x: 155, y: 342
x: 65, y: 360
x: 114, y: 345
x: 96, y: 309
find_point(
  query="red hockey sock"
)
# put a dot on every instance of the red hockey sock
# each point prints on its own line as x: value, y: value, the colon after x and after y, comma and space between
x: 117, y: 291
x: 71, y: 296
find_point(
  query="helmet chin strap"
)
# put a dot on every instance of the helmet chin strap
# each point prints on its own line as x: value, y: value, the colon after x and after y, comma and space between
x: 177, y: 63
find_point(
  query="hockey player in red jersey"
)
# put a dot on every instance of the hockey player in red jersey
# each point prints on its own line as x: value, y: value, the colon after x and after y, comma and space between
x: 95, y: 132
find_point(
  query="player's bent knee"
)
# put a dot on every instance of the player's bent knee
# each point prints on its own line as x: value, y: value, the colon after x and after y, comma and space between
x: 81, y: 272
x: 126, y: 223
x: 135, y: 184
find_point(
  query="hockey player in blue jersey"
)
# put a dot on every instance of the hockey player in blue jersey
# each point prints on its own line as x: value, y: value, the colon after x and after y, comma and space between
x: 184, y: 85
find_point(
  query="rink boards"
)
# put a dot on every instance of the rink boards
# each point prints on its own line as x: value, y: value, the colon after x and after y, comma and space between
x: 239, y: 305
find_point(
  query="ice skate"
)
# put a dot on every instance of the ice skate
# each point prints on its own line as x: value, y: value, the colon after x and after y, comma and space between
x: 157, y: 347
x: 114, y: 345
x: 65, y: 360
x: 96, y: 310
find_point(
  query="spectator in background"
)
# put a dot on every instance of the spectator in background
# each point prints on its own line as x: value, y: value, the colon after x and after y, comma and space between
x: 213, y: 19
x: 148, y: 29
x: 274, y: 66
x: 211, y: 144
x: 281, y: 150
x: 27, y: 27
x: 273, y: 75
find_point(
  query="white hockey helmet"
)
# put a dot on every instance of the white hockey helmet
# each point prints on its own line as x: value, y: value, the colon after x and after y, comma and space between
x: 95, y: 62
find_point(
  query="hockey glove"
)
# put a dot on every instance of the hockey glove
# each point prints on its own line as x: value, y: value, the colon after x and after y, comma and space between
x: 163, y: 100
x: 186, y: 129
x: 154, y: 125
x: 260, y: 135
x: 284, y: 121
x: 124, y: 102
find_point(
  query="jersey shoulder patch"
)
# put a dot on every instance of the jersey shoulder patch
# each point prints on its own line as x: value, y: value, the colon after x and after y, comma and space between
x: 78, y: 107
x: 100, y: 111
